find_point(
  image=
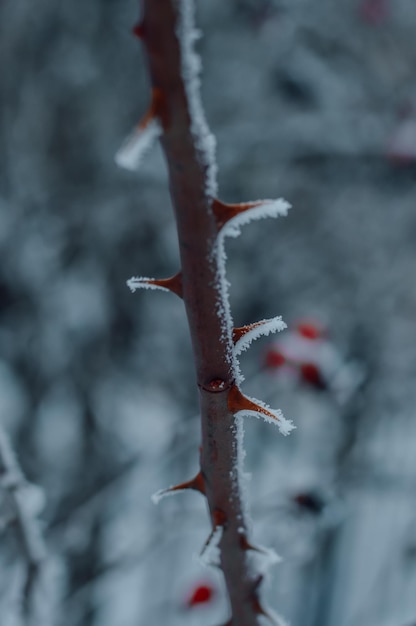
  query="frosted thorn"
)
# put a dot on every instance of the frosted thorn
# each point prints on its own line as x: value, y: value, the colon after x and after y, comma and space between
x: 138, y: 30
x: 246, y: 545
x: 131, y: 153
x: 245, y: 335
x: 197, y: 484
x: 174, y: 283
x: 239, y: 332
x: 219, y: 521
x: 224, y: 212
x: 237, y: 401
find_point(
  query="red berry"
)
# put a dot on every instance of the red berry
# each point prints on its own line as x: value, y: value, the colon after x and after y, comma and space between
x: 309, y: 331
x: 200, y: 595
x: 311, y: 374
x: 274, y: 359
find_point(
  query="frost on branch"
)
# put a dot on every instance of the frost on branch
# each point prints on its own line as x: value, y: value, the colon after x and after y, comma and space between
x: 174, y: 283
x: 244, y: 335
x: 190, y: 68
x: 239, y: 404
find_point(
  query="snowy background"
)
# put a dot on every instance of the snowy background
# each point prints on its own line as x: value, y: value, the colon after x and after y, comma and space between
x: 312, y: 101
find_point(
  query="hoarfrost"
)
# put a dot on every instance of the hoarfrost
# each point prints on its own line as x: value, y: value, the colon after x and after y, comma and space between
x: 261, y: 328
x: 277, y: 418
x: 162, y: 493
x: 191, y: 67
x: 135, y: 146
x: 142, y: 282
x: 210, y: 554
x: 267, y: 208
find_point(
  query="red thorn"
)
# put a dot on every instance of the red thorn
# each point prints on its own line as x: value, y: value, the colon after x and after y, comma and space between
x: 224, y: 212
x: 138, y: 30
x: 219, y: 518
x: 243, y: 330
x: 246, y: 545
x: 157, y: 109
x: 238, y: 402
x: 174, y: 283
x: 197, y: 484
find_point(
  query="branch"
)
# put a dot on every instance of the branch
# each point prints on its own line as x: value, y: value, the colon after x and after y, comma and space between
x: 31, y: 540
x: 203, y: 222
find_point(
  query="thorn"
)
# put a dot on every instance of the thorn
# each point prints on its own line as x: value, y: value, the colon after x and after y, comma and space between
x: 219, y: 521
x: 219, y: 518
x: 246, y: 545
x: 225, y: 212
x: 239, y: 402
x: 174, y: 283
x: 154, y: 109
x: 197, y: 484
x: 138, y: 30
x: 243, y: 330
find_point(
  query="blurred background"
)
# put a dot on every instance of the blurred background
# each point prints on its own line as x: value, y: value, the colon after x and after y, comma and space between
x: 315, y: 102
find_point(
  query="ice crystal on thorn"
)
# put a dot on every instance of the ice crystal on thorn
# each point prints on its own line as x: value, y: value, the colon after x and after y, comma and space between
x: 135, y: 146
x: 240, y: 404
x: 245, y: 335
x: 142, y: 282
x: 232, y: 216
x: 174, y: 283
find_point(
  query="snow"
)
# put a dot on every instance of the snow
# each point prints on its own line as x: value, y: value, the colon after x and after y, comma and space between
x: 143, y: 282
x: 135, y: 146
x: 262, y: 328
x: 191, y: 66
x: 273, y: 416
